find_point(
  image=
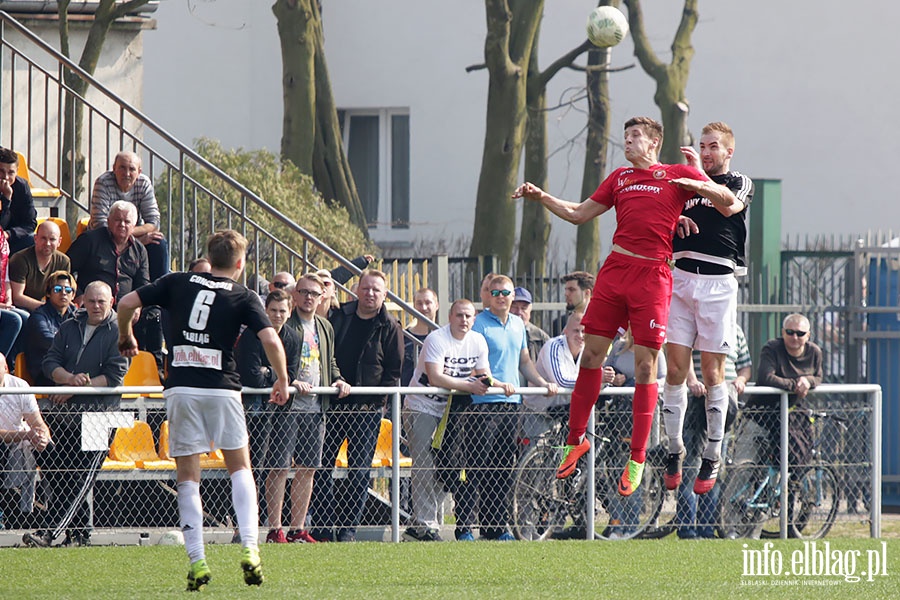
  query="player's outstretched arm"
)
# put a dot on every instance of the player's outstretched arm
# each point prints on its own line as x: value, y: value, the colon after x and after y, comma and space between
x: 274, y: 350
x: 568, y: 211
x: 125, y: 310
x: 722, y: 197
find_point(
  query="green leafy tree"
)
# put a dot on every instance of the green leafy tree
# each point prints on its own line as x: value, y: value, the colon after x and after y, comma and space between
x: 279, y: 183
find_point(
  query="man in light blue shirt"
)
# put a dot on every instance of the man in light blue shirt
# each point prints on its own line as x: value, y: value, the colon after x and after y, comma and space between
x: 491, y: 425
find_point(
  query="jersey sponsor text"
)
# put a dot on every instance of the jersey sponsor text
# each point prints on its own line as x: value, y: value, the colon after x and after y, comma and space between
x: 191, y: 356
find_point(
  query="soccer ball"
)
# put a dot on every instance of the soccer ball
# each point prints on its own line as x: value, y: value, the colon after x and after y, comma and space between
x: 171, y: 538
x: 606, y: 26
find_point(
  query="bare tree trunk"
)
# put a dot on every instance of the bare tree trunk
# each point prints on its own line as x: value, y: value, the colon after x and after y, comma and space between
x: 72, y: 167
x: 671, y: 79
x: 587, y: 245
x: 311, y: 132
x: 535, y: 231
x: 511, y: 29
x: 298, y: 49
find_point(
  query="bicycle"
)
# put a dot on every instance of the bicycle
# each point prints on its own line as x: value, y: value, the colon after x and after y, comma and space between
x: 543, y: 505
x: 751, y: 499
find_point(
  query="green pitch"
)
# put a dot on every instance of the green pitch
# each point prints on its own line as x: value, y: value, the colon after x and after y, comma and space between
x: 666, y: 568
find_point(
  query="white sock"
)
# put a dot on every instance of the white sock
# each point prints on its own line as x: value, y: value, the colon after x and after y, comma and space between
x: 675, y: 403
x: 246, y: 507
x: 716, y: 410
x: 190, y: 511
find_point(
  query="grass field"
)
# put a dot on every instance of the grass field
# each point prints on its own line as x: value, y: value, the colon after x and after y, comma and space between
x: 666, y: 568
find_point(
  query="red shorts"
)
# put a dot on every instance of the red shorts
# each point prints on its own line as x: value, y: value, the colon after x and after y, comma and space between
x: 631, y: 290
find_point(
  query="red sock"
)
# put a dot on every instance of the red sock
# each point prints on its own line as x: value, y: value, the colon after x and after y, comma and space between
x: 642, y: 407
x: 587, y: 390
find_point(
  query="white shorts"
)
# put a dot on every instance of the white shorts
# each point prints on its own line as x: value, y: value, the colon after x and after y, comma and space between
x: 203, y: 420
x: 703, y: 313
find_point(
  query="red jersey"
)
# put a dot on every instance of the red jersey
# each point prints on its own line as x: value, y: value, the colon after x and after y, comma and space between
x: 647, y: 206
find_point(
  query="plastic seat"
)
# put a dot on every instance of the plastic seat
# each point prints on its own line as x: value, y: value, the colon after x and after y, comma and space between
x: 133, y: 443
x: 212, y: 460
x: 82, y: 226
x: 142, y: 372
x: 382, y: 456
x: 208, y: 460
x: 25, y: 173
x: 20, y: 369
x: 164, y: 441
x: 65, y: 237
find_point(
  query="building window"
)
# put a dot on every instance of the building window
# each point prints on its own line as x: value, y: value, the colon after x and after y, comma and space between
x: 377, y: 145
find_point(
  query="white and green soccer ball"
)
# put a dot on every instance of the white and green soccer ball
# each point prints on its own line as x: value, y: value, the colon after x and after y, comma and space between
x: 606, y: 26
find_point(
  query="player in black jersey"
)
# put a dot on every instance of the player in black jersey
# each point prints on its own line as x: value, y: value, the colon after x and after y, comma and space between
x: 703, y: 313
x: 203, y: 390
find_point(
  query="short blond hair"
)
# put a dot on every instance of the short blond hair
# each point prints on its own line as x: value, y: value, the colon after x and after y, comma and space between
x: 722, y: 128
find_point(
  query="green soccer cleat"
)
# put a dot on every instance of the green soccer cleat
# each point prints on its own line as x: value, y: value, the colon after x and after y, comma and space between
x: 251, y: 566
x: 198, y: 576
x: 631, y: 478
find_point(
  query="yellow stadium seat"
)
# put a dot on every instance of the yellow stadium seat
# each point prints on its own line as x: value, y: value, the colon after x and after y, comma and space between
x: 134, y: 446
x: 24, y: 172
x: 382, y: 456
x: 212, y: 460
x: 82, y: 226
x: 341, y: 460
x: 208, y: 460
x: 20, y: 369
x: 65, y: 237
x: 164, y: 441
x: 142, y: 372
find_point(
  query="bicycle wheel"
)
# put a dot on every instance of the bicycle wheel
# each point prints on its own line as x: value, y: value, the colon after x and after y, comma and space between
x: 814, y: 502
x: 621, y: 517
x: 541, y: 502
x: 662, y: 522
x: 742, y: 504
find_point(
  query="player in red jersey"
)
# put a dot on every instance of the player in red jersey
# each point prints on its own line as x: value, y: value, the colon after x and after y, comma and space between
x: 634, y: 285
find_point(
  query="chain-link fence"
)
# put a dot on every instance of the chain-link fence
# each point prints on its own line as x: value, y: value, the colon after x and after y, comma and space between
x: 476, y: 470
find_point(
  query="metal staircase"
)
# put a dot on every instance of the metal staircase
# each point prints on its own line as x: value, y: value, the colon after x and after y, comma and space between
x: 33, y: 94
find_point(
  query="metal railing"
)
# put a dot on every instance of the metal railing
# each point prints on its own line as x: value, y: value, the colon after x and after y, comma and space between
x: 865, y: 466
x: 34, y: 122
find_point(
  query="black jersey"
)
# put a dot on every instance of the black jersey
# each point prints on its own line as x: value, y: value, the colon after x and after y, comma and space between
x: 205, y: 317
x: 721, y: 239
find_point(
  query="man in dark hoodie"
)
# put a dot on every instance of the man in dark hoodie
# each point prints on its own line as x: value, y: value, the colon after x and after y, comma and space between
x: 83, y: 353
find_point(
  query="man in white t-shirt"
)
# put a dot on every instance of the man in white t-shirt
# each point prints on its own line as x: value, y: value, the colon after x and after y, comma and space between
x: 22, y: 429
x: 452, y: 357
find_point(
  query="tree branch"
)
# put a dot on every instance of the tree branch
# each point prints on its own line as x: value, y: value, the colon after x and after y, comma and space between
x: 681, y: 43
x: 563, y: 61
x: 642, y: 49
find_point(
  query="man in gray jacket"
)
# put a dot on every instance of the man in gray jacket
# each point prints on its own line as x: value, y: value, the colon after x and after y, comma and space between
x: 83, y: 353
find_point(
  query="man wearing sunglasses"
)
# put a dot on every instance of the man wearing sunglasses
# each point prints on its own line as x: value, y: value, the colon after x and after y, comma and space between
x: 793, y: 363
x: 45, y: 322
x: 491, y: 425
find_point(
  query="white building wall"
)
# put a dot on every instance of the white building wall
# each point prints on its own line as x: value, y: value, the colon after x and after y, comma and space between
x: 810, y: 103
x: 119, y: 68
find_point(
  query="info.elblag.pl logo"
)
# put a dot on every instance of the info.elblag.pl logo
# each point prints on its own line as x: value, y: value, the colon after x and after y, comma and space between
x: 816, y: 563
